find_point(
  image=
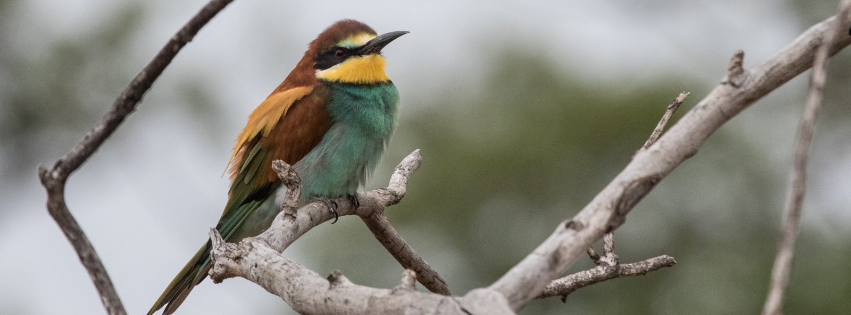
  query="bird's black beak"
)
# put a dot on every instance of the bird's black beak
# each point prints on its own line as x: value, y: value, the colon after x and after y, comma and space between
x: 375, y: 45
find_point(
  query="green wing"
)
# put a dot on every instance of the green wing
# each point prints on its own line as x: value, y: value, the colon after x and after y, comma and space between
x: 286, y: 126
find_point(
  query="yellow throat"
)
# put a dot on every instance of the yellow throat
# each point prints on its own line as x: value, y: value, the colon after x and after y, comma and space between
x: 361, y: 69
x: 367, y: 69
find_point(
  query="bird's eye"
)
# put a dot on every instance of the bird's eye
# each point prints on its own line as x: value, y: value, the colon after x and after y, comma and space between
x: 340, y: 53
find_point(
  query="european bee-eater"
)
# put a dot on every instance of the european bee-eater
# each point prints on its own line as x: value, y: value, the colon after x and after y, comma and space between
x: 331, y: 119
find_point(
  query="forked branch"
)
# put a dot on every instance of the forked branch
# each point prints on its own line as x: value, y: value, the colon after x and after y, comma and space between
x: 54, y: 179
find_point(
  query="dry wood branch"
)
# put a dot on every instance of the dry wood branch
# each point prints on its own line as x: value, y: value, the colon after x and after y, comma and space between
x: 371, y: 210
x: 387, y: 235
x: 258, y: 259
x: 593, y: 255
x: 291, y: 224
x: 609, y: 239
x: 791, y: 226
x: 55, y: 178
x: 607, y: 210
x: 609, y: 263
x: 309, y: 293
x: 564, y: 286
x: 609, y: 256
x: 608, y: 266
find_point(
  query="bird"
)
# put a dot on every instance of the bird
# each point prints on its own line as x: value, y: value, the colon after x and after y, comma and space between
x: 330, y: 118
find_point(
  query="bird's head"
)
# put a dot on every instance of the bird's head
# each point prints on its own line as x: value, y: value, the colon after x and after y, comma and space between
x: 350, y: 52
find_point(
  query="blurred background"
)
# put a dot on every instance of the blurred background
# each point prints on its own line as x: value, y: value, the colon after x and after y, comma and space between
x: 523, y: 112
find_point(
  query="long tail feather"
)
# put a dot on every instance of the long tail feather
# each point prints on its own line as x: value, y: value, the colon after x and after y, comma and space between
x: 193, y: 273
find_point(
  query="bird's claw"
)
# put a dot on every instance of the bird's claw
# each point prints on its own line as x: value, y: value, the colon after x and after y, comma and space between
x: 355, y: 202
x: 332, y: 206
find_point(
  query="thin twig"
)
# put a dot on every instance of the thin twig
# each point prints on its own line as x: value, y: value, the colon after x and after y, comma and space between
x: 609, y: 239
x: 403, y: 253
x: 609, y: 258
x: 55, y: 178
x: 609, y: 244
x: 669, y: 111
x: 387, y: 235
x: 791, y: 224
x: 564, y: 286
x: 593, y: 255
x: 608, y: 267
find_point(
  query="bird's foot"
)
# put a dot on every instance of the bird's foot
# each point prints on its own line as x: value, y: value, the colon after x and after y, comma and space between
x: 354, y: 200
x: 332, y: 206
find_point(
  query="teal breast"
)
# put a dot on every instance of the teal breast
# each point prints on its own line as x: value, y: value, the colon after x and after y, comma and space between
x: 362, y: 119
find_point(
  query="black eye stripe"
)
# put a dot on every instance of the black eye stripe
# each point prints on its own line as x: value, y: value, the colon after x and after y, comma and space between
x: 333, y: 56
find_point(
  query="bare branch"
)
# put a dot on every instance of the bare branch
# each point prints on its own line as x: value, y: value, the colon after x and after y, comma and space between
x: 791, y: 226
x: 387, y: 235
x: 608, y: 209
x: 372, y: 213
x: 404, y: 254
x: 55, y: 178
x: 609, y: 239
x: 308, y: 293
x: 289, y: 225
x: 610, y: 258
x: 301, y: 288
x: 608, y: 266
x: 593, y: 255
x: 398, y: 185
x: 564, y: 286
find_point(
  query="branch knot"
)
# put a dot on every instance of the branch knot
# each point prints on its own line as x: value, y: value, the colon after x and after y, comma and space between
x: 287, y: 174
x: 337, y: 279
x: 735, y: 71
x: 225, y: 257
